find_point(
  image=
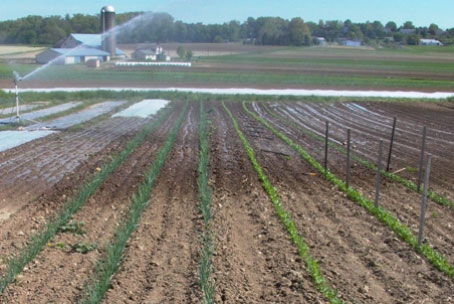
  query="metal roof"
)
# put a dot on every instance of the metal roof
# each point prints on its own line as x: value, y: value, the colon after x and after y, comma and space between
x: 88, y: 39
x: 93, y: 40
x: 108, y: 9
x: 81, y: 51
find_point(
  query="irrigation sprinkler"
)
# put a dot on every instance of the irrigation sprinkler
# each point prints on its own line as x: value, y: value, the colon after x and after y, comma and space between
x: 421, y: 159
x: 326, y: 146
x: 377, y: 182
x: 347, y: 182
x: 424, y: 201
x: 391, y: 144
x: 16, y: 81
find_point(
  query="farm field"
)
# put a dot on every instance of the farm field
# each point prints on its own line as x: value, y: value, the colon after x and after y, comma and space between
x: 408, y: 68
x: 219, y: 200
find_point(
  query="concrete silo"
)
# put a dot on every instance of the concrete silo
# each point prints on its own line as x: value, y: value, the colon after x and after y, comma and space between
x: 107, y: 24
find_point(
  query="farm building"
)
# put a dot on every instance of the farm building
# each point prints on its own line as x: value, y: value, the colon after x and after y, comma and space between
x: 150, y: 52
x: 430, y: 42
x: 85, y: 47
x: 71, y: 55
x: 351, y: 43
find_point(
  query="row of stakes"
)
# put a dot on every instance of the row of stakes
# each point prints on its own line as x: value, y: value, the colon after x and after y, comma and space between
x: 379, y: 163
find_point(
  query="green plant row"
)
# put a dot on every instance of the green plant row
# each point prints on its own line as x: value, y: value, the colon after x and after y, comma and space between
x: 107, y: 266
x: 434, y: 257
x: 435, y: 197
x: 36, y: 243
x: 205, y: 270
x: 311, y: 264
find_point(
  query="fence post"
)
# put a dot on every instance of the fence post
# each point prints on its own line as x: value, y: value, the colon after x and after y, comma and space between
x: 326, y: 146
x: 424, y: 201
x: 377, y: 182
x: 421, y: 158
x: 391, y: 144
x: 347, y: 182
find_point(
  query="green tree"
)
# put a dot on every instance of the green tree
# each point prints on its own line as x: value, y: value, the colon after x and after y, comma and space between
x: 391, y: 26
x: 181, y: 52
x: 413, y: 39
x: 299, y: 32
x: 433, y: 29
x: 189, y: 55
x: 408, y: 25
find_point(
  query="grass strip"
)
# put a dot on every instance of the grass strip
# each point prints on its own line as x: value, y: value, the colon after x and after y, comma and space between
x: 16, y: 262
x: 434, y: 196
x: 205, y: 270
x: 108, y: 265
x: 433, y: 256
x: 311, y: 264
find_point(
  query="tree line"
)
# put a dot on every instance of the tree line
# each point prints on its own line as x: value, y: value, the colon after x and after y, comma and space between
x: 162, y: 27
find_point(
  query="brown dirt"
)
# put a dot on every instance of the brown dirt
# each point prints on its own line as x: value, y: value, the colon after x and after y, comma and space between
x: 254, y: 260
x: 59, y: 274
x: 358, y: 255
x: 161, y: 262
x: 398, y: 200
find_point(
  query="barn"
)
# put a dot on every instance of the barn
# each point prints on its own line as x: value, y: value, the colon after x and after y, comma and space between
x: 71, y: 55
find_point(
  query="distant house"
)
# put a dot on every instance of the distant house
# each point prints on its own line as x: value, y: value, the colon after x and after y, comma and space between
x: 431, y: 42
x: 71, y: 55
x: 320, y: 40
x: 407, y: 31
x: 350, y: 43
x: 150, y: 52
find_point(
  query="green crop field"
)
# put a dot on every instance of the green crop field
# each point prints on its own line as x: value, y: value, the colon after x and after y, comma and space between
x: 423, y: 68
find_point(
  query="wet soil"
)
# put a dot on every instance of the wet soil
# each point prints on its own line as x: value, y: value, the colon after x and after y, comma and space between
x: 161, y: 261
x: 59, y: 272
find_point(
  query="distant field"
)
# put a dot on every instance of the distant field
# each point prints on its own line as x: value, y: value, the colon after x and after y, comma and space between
x: 18, y: 53
x: 235, y: 65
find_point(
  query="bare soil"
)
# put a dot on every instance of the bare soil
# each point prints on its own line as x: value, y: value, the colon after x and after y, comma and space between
x: 254, y: 260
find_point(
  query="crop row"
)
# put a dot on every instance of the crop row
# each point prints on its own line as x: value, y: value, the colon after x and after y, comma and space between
x: 286, y: 220
x: 17, y: 261
x: 108, y: 264
x: 434, y: 196
x: 433, y: 256
x: 205, y: 270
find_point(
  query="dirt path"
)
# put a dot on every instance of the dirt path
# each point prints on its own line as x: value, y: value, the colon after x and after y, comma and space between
x: 161, y: 263
x: 58, y: 274
x: 254, y: 260
x: 359, y: 256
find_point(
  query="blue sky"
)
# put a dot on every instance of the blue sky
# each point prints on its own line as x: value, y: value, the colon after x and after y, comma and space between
x: 421, y: 12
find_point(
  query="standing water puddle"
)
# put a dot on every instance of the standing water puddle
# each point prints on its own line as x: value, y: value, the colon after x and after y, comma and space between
x: 143, y: 109
x: 11, y: 139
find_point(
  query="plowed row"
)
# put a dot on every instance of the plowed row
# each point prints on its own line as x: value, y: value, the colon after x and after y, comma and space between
x: 254, y: 260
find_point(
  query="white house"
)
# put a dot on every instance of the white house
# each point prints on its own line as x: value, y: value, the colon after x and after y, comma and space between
x: 430, y: 42
x: 351, y: 43
x: 150, y: 52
